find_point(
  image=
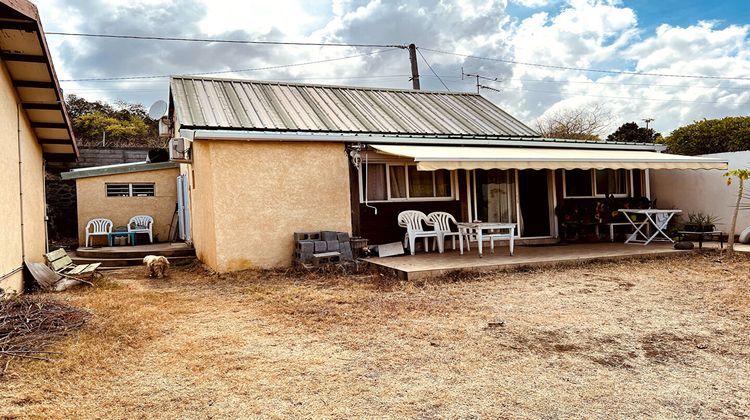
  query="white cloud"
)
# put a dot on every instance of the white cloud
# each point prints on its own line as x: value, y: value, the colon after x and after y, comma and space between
x: 578, y: 33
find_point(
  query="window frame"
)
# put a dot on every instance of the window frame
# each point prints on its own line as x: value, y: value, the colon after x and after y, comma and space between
x: 408, y: 198
x: 130, y: 189
x: 592, y: 180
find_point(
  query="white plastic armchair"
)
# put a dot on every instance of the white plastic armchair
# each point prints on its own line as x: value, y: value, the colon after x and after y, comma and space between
x: 142, y: 224
x: 98, y: 227
x: 442, y: 222
x: 412, y: 221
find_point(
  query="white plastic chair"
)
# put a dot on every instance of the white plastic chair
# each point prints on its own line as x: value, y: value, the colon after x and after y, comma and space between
x: 442, y: 222
x: 142, y: 224
x: 412, y: 220
x: 98, y: 227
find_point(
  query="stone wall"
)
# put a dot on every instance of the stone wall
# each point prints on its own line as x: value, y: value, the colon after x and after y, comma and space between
x: 61, y: 195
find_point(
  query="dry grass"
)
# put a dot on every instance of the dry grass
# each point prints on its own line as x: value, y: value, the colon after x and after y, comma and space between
x: 666, y: 338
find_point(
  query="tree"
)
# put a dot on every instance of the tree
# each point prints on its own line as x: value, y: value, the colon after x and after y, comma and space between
x: 729, y: 134
x: 580, y: 123
x: 742, y: 175
x: 631, y: 133
x: 124, y: 124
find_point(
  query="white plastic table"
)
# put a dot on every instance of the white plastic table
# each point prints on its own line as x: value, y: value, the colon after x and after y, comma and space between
x: 641, y: 237
x: 466, y: 228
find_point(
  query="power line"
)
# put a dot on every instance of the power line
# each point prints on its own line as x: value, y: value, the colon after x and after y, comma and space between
x: 433, y: 71
x: 632, y: 73
x: 226, y: 41
x: 162, y: 76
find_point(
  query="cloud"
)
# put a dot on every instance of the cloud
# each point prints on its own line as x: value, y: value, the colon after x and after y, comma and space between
x: 577, y: 33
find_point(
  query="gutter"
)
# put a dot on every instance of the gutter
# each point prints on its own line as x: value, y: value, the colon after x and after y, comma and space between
x: 241, y: 135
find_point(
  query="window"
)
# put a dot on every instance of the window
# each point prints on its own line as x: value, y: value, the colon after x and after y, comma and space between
x: 131, y: 190
x: 403, y: 182
x: 578, y: 183
x: 611, y: 181
x: 582, y: 183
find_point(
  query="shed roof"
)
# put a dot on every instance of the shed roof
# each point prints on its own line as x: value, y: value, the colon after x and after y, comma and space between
x: 120, y: 168
x: 227, y: 104
x: 24, y: 52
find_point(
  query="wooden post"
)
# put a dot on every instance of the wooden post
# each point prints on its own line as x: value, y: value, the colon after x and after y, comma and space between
x: 414, y: 66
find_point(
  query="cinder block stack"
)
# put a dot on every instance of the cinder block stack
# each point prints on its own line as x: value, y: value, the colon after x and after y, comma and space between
x: 319, y: 248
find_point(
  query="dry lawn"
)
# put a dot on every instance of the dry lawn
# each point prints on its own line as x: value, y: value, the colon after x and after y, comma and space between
x: 665, y: 338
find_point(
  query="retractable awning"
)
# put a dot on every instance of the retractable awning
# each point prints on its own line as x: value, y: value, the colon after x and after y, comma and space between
x: 430, y: 158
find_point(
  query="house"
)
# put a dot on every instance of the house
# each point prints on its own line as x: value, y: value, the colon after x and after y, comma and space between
x: 119, y: 192
x: 34, y: 129
x: 266, y: 159
x: 704, y: 192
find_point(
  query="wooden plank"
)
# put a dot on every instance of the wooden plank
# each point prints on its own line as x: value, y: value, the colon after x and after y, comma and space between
x: 78, y: 269
x: 58, y: 265
x: 55, y: 255
x: 90, y: 268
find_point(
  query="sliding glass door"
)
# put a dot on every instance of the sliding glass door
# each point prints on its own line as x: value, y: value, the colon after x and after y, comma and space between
x: 496, y: 196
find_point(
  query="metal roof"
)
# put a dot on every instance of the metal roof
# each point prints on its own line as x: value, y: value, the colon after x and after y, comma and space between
x: 120, y: 168
x: 210, y: 103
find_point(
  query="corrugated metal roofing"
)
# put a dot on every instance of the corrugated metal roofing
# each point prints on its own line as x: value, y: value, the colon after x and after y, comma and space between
x: 273, y: 106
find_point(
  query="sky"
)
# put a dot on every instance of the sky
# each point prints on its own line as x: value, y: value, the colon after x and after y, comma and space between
x: 708, y: 38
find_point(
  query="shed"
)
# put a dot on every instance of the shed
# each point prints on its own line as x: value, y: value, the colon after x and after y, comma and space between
x: 119, y: 192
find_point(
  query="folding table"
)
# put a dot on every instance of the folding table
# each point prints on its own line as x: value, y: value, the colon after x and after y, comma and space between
x: 657, y: 218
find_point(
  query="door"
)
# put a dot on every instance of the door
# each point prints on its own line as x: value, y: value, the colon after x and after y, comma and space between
x: 534, y: 201
x: 183, y: 208
x: 495, y: 195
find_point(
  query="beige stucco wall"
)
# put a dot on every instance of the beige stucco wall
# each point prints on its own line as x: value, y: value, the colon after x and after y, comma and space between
x: 93, y: 202
x: 257, y: 194
x: 703, y: 191
x: 200, y: 175
x: 32, y: 170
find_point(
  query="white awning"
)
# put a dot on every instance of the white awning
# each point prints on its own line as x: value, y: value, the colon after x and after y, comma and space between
x: 430, y: 158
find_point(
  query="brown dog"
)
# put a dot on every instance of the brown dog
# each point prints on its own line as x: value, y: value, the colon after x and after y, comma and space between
x: 156, y: 265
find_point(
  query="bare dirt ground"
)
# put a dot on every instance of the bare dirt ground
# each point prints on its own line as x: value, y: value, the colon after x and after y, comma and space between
x: 663, y: 338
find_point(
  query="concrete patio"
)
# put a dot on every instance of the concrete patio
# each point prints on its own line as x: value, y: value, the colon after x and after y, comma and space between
x: 423, y: 265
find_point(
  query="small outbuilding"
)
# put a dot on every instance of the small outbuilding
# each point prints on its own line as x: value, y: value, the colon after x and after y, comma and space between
x: 119, y: 192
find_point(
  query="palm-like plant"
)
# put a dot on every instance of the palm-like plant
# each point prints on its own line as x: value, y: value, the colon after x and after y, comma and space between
x: 742, y: 175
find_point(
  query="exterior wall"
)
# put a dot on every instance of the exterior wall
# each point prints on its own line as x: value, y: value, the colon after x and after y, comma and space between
x: 34, y: 239
x: 202, y: 222
x: 261, y: 194
x: 703, y: 191
x: 93, y: 202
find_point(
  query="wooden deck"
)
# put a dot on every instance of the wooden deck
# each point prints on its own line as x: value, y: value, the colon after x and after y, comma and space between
x: 431, y: 264
x: 120, y: 256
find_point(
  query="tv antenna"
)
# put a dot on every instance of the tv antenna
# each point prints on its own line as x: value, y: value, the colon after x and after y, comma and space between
x: 480, y: 77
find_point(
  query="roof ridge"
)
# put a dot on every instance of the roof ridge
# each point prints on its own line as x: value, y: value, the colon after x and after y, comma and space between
x: 321, y: 85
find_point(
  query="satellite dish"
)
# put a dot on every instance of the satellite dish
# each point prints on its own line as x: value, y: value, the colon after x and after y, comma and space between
x: 157, y: 110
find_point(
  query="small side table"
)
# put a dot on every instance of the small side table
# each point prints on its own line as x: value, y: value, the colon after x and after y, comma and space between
x: 112, y: 235
x: 702, y: 235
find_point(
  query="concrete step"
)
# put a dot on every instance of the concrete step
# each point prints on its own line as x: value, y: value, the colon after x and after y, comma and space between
x: 127, y: 262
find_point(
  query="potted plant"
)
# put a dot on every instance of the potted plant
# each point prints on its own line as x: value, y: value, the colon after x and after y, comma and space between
x: 700, y: 222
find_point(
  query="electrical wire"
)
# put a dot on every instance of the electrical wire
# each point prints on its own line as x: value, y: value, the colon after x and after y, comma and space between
x: 163, y: 76
x: 433, y: 71
x: 225, y: 41
x: 549, y: 66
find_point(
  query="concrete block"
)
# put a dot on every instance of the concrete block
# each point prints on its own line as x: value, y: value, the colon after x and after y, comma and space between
x: 343, y: 236
x: 305, y: 250
x: 391, y: 249
x: 345, y: 248
x: 305, y: 236
x: 328, y: 235
x: 321, y: 246
x: 332, y: 245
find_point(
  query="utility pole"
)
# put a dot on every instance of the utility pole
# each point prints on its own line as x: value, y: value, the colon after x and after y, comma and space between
x: 414, y: 67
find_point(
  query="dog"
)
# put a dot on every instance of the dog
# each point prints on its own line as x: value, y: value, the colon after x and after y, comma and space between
x: 156, y: 265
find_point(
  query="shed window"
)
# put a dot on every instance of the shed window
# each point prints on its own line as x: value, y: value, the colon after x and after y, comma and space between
x: 142, y: 189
